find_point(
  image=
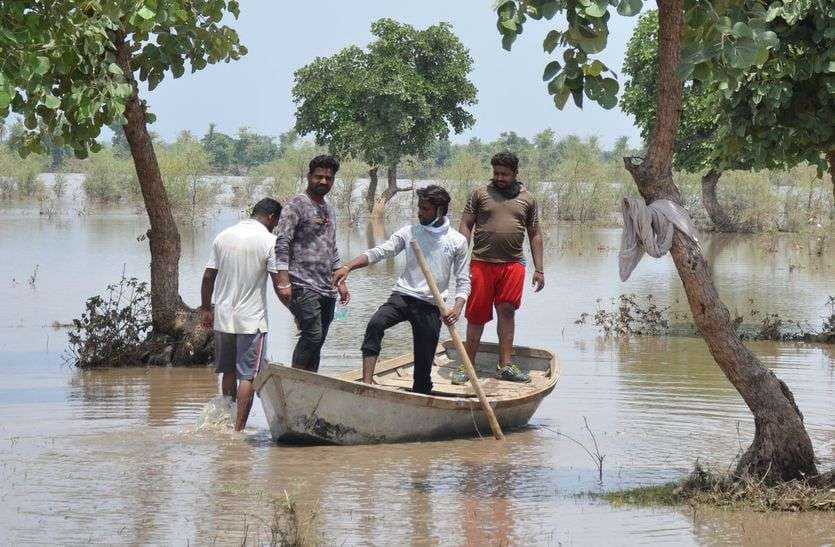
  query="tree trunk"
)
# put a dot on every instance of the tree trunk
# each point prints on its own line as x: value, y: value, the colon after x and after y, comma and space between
x: 391, y: 190
x: 831, y: 157
x: 371, y: 193
x: 720, y: 219
x: 177, y: 336
x: 781, y: 449
x: 164, y: 237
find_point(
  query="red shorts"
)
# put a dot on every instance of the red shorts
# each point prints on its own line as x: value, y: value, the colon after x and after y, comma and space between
x: 493, y: 283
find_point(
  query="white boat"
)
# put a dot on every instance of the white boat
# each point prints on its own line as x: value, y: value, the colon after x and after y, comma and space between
x: 302, y: 406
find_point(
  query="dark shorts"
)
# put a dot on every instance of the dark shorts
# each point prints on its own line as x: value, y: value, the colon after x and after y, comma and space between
x: 243, y: 354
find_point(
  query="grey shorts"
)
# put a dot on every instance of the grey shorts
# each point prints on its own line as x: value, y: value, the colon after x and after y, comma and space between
x: 243, y: 354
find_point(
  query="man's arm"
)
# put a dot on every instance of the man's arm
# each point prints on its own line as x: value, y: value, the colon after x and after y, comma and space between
x: 285, y: 233
x: 468, y: 216
x: 206, y: 290
x: 460, y: 268
x: 391, y: 247
x: 466, y: 225
x: 535, y: 237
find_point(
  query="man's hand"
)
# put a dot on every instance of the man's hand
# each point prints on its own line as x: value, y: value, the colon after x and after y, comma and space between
x: 455, y: 313
x: 207, y: 318
x: 285, y: 295
x: 538, y: 281
x: 344, y: 294
x: 340, y: 275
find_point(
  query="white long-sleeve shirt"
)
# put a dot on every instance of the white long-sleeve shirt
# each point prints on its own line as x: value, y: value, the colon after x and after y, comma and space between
x: 445, y: 250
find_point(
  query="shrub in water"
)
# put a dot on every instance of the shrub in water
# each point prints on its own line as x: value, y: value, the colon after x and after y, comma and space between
x: 113, y: 327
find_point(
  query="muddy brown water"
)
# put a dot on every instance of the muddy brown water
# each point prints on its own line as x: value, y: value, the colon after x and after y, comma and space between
x: 115, y: 456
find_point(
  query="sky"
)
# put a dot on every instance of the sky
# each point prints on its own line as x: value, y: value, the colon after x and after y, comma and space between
x: 282, y: 36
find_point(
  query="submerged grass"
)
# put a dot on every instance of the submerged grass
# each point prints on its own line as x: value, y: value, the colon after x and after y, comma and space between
x: 706, y: 488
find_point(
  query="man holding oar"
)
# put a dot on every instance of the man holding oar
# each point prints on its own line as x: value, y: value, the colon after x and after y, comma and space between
x: 412, y: 300
x: 498, y: 216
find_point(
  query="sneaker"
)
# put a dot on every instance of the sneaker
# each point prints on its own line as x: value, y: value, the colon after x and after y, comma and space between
x: 459, y: 377
x: 512, y: 373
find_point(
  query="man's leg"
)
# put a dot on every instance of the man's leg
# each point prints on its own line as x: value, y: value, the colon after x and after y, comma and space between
x: 251, y: 356
x: 508, y: 298
x: 306, y: 310
x: 474, y: 332
x: 426, y: 330
x: 506, y: 313
x: 245, y: 396
x: 225, y: 353
x: 479, y: 305
x: 229, y: 385
x: 386, y: 316
x: 327, y: 306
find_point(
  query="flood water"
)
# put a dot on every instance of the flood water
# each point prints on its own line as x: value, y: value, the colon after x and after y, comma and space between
x: 116, y: 456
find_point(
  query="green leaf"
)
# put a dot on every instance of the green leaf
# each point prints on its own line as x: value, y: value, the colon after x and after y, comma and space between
x: 768, y: 39
x: 550, y: 41
x: 628, y: 8
x: 508, y: 39
x: 113, y: 68
x: 549, y: 9
x: 743, y: 53
x: 42, y: 65
x: 831, y: 67
x: 723, y: 25
x: 594, y: 68
x: 52, y: 102
x: 773, y: 11
x: 146, y: 13
x: 741, y: 30
x: 555, y: 85
x: 595, y: 9
x: 562, y: 97
x: 5, y: 99
x: 684, y: 70
x: 550, y: 70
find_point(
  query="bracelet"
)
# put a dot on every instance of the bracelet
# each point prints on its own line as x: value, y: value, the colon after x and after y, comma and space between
x: 287, y: 286
x: 539, y: 272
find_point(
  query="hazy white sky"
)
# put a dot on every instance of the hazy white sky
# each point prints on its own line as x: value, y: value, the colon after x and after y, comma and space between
x: 283, y: 36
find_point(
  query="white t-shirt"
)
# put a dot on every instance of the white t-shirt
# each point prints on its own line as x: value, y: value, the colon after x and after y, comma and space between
x: 242, y: 256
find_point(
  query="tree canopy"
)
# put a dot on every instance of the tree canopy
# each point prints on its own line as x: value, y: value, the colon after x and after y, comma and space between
x: 60, y: 70
x: 699, y: 124
x: 721, y: 39
x: 395, y: 99
x: 778, y: 115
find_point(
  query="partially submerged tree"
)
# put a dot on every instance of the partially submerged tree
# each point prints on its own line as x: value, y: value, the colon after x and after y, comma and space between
x: 69, y: 68
x: 393, y: 100
x: 714, y: 41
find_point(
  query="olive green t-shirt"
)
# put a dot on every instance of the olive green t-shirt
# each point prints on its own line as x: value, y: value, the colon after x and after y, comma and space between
x: 500, y: 223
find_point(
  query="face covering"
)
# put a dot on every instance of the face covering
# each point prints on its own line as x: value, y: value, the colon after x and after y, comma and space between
x: 511, y: 191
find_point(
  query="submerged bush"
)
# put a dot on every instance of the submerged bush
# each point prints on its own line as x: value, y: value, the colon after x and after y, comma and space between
x: 109, y: 179
x: 113, y: 327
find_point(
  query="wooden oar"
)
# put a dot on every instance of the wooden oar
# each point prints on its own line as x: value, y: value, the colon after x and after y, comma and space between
x: 459, y: 345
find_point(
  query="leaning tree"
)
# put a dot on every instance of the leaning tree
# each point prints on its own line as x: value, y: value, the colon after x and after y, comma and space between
x: 713, y: 41
x: 71, y: 67
x: 393, y: 100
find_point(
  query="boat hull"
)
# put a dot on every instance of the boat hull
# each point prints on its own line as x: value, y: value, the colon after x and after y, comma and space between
x: 301, y: 406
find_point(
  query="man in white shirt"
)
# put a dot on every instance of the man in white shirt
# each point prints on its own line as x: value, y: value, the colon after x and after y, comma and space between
x: 236, y: 274
x: 412, y: 300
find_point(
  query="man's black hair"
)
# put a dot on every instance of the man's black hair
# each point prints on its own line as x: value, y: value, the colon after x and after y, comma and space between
x: 267, y: 206
x: 506, y: 159
x: 437, y: 196
x: 325, y: 162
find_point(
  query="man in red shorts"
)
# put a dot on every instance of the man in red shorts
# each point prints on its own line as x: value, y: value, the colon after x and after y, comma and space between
x: 498, y: 216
